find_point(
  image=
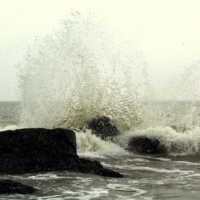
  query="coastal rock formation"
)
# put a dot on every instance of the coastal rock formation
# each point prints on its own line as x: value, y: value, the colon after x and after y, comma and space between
x: 106, y: 129
x: 12, y: 187
x: 103, y: 127
x: 143, y: 145
x: 36, y: 150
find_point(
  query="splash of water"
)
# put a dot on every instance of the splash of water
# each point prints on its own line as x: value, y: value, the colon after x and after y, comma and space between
x: 87, y: 69
x: 83, y: 70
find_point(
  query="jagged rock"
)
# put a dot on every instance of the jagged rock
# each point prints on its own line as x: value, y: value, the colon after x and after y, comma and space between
x: 42, y: 150
x: 103, y: 127
x: 11, y: 187
x: 143, y: 145
x: 106, y: 129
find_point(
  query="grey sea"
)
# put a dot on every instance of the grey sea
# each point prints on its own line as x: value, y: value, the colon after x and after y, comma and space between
x: 174, y: 175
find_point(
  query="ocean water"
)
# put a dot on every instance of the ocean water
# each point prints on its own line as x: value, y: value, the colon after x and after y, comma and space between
x: 85, y: 69
x: 174, y: 175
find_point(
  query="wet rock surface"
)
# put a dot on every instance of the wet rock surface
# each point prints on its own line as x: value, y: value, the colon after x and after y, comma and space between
x: 42, y: 150
x: 143, y: 145
x: 106, y: 129
x: 12, y: 187
x: 103, y: 127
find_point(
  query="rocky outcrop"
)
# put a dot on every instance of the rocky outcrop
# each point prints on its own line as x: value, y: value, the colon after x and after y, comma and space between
x: 143, y: 145
x: 103, y: 127
x: 42, y: 150
x: 106, y: 129
x: 11, y: 187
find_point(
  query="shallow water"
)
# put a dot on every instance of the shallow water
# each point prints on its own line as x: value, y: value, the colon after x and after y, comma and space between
x: 169, y: 176
x: 157, y: 177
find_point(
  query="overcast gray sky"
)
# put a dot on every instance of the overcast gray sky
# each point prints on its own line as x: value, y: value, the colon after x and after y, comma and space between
x: 167, y: 32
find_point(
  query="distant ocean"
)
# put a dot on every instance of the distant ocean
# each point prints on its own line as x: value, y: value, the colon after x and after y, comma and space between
x: 9, y: 113
x: 86, y: 69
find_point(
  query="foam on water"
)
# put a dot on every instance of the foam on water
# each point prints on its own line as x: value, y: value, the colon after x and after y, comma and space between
x: 88, y: 143
x: 126, y: 188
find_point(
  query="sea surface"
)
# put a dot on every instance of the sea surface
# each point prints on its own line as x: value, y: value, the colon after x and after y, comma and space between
x: 174, y: 175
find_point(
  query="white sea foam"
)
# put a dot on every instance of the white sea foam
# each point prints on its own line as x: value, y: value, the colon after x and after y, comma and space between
x: 127, y: 188
x: 91, y: 145
x: 171, y: 141
x: 150, y: 169
x: 186, y: 163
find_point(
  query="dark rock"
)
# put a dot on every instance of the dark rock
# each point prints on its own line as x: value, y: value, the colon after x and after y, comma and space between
x: 11, y: 187
x: 106, y: 129
x: 43, y: 150
x: 103, y: 127
x: 95, y: 167
x: 143, y: 145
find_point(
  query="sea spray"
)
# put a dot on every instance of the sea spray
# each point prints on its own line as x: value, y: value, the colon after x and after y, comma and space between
x: 87, y: 69
x: 83, y: 70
